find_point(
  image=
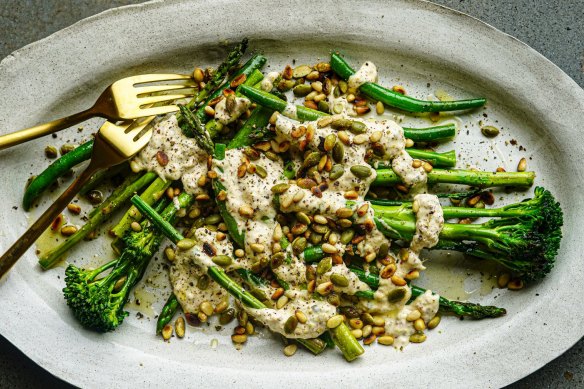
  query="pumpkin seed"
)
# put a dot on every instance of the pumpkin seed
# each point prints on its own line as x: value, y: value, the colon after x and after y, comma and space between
x: 417, y: 338
x: 396, y: 295
x: 301, y: 71
x: 320, y: 228
x: 340, y: 280
x: 213, y: 219
x: 259, y: 294
x: 329, y: 142
x: 347, y: 236
x: 490, y: 131
x: 302, y: 90
x: 299, y: 244
x: 315, y: 238
x: 303, y: 218
x: 291, y: 324
x: 227, y: 316
x: 360, y: 171
x: 434, y: 322
x: 260, y: 171
x: 358, y: 127
x: 222, y: 260
x: 311, y: 159
x: 280, y: 188
x: 185, y: 244
x: 344, y: 213
x: 335, y: 321
x: 336, y: 172
x: 203, y: 282
x: 324, y: 266
x: 323, y: 106
x: 290, y: 349
x: 338, y: 152
x: 383, y: 250
x: 341, y: 123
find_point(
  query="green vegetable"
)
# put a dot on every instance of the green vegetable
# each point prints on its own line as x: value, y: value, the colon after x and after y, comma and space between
x: 268, y: 100
x: 131, y: 185
x: 524, y: 237
x: 437, y: 160
x: 460, y: 308
x: 97, y: 297
x: 397, y: 100
x: 150, y: 195
x: 343, y: 337
x: 55, y: 170
x: 191, y: 125
x: 463, y: 177
x: 167, y: 313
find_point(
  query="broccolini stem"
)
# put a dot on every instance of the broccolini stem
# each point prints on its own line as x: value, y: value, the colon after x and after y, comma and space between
x: 131, y: 185
x: 397, y: 100
x: 193, y: 128
x: 150, y: 195
x: 446, y: 159
x: 463, y: 177
x: 167, y: 313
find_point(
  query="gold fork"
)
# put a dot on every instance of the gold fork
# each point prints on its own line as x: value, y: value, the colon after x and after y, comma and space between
x: 112, y: 145
x: 122, y: 100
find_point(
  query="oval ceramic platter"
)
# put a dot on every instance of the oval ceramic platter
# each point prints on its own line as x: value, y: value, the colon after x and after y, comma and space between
x: 421, y: 46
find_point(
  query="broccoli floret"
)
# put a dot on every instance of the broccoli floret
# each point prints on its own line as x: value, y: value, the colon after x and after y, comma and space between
x: 97, y: 299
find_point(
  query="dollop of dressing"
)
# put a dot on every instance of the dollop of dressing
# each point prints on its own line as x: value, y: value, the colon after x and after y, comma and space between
x: 229, y: 109
x: 367, y: 73
x: 173, y: 156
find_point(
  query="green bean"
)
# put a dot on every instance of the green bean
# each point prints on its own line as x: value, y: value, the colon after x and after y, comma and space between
x: 397, y: 100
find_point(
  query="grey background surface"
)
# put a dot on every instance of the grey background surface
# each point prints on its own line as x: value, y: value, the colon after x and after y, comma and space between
x: 555, y: 29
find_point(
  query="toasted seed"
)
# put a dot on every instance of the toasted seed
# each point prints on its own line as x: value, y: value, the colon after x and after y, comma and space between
x: 302, y: 319
x: 313, y: 75
x: 515, y: 284
x: 412, y: 275
x: 209, y: 111
x: 169, y: 253
x: 282, y: 301
x: 312, y: 159
x: 320, y: 219
x: 386, y: 340
x: 357, y: 333
x: 360, y: 139
x: 356, y: 323
x: 433, y: 323
x: 298, y: 132
x: 301, y: 71
x: 324, y: 288
x: 324, y: 266
x: 280, y: 188
x: 257, y: 248
x: 261, y: 171
x: 357, y: 127
x: 503, y: 280
x: 290, y: 349
x: 68, y: 230
x: 179, y: 327
x: 369, y: 339
x: 320, y: 228
x: 239, y: 339
x: 396, y: 295
x: 336, y: 172
x: 367, y: 330
x: 246, y: 211
x: 420, y: 325
x: 74, y: 208
x: 198, y: 75
x: 417, y: 338
x: 290, y: 324
x: 95, y: 197
x: 298, y: 196
x: 501, y: 169
x: 339, y: 280
x: 397, y: 280
x: 360, y: 171
x: 351, y: 195
x: 239, y: 330
x: 335, y: 321
x: 490, y: 131
x: 135, y: 226
x: 299, y: 244
x: 379, y: 108
x: 329, y: 248
x: 329, y: 142
x: 222, y: 260
x: 303, y: 218
x: 306, y: 183
x: 522, y: 165
x: 302, y: 90
x: 377, y: 330
x: 347, y: 236
x: 344, y: 213
x: 222, y: 306
x: 226, y: 316
x: 388, y: 271
x: 166, y: 332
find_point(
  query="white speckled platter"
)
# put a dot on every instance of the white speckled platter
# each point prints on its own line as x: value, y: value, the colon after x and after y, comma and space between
x: 413, y: 43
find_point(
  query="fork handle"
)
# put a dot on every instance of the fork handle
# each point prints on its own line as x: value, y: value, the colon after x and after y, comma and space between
x: 31, y: 133
x: 31, y: 235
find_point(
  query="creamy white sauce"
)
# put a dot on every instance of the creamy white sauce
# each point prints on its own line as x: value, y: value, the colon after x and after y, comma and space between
x: 253, y: 191
x: 226, y: 112
x: 367, y: 73
x: 317, y: 312
x: 267, y: 84
x: 186, y: 160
